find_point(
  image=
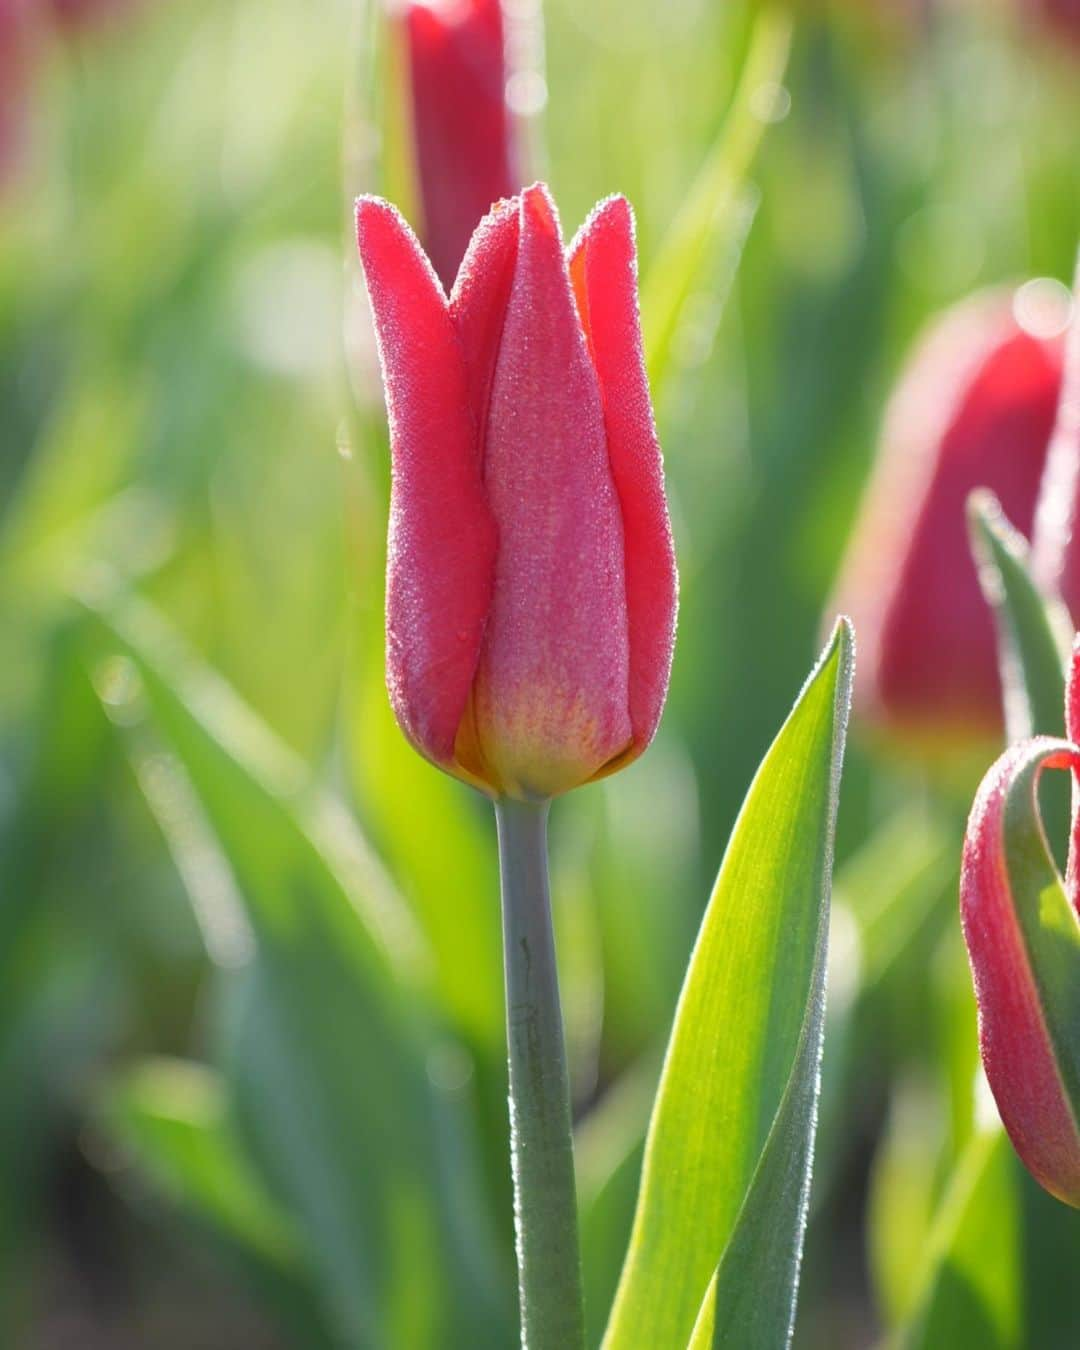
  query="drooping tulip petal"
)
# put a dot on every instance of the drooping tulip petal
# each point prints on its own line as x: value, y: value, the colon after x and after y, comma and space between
x: 974, y: 409
x: 1055, y: 552
x: 462, y: 128
x: 1023, y: 942
x: 551, y: 700
x: 1023, y: 937
x: 441, y: 552
x: 603, y: 267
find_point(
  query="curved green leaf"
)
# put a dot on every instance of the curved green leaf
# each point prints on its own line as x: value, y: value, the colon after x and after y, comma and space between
x: 727, y: 1164
x: 1034, y: 632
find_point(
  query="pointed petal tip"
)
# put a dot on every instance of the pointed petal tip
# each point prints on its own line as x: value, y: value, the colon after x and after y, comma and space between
x: 538, y: 209
x: 377, y: 218
x: 610, y: 213
x: 383, y: 234
x: 494, y: 230
x: 367, y: 206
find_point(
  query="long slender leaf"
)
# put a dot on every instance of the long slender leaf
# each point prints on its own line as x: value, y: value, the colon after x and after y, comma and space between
x: 331, y: 1055
x: 711, y: 209
x: 1034, y: 640
x: 972, y: 1286
x: 726, y: 1172
x: 1034, y: 632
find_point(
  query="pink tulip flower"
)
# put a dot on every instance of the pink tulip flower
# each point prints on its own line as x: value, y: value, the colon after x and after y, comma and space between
x: 975, y: 408
x: 531, y: 583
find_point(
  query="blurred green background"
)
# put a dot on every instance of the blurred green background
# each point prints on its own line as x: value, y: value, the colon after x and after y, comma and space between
x: 252, y: 1087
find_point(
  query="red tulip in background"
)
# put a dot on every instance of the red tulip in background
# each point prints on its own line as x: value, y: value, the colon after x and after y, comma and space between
x: 531, y: 586
x: 25, y: 29
x: 16, y: 44
x: 79, y: 13
x: 462, y: 128
x: 1062, y: 17
x: 975, y: 408
x: 1023, y: 938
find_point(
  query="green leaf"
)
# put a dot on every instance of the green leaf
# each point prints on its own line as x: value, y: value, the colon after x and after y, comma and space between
x: 1034, y: 631
x: 972, y: 1290
x: 905, y: 1187
x: 709, y: 213
x: 337, y: 1068
x: 727, y: 1164
x: 1034, y: 640
x: 172, y: 1117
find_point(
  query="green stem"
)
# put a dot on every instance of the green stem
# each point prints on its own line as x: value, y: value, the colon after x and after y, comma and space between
x: 541, y: 1144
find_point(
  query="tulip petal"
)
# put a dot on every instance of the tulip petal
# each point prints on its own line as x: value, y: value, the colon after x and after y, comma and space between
x: 479, y: 298
x: 603, y: 268
x: 1023, y: 942
x: 440, y: 560
x: 551, y: 687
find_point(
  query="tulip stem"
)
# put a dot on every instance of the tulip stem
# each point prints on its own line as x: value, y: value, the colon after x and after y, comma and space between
x: 541, y: 1142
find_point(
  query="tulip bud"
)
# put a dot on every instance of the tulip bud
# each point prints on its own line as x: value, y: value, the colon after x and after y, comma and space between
x: 975, y: 408
x: 16, y: 61
x: 1055, y: 551
x: 77, y: 14
x: 531, y: 585
x: 463, y: 134
x: 1061, y: 17
x: 1023, y: 940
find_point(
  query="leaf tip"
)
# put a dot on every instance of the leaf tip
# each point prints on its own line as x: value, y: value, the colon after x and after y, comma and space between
x: 840, y: 649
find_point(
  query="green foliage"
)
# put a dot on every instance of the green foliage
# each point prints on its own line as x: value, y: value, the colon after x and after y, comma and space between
x: 707, y: 221
x: 328, y: 1048
x: 1034, y: 632
x: 727, y: 1164
x: 972, y: 1284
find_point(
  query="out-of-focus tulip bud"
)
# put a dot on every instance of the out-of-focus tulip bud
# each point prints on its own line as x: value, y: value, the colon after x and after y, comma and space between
x: 463, y: 131
x: 531, y: 584
x: 1023, y: 937
x: 1055, y: 551
x: 75, y: 14
x: 1061, y: 17
x: 975, y: 408
x: 17, y: 29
